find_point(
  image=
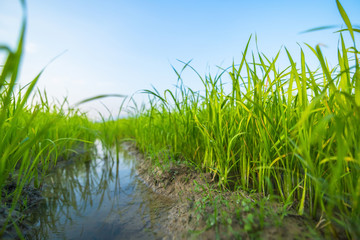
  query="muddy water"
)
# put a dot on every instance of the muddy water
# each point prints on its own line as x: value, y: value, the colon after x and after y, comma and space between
x: 100, y: 199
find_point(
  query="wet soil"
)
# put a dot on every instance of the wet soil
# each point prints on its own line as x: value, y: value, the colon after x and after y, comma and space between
x: 29, y: 200
x: 203, y: 211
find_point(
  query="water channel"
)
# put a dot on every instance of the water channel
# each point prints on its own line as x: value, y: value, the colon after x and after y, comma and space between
x: 100, y: 199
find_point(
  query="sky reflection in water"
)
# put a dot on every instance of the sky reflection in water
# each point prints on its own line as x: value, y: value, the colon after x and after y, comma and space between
x: 100, y: 199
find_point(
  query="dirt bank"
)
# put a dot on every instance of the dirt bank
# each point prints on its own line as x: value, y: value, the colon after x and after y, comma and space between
x: 202, y: 211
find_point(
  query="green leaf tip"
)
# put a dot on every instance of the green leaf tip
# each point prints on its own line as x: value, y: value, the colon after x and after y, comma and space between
x: 345, y: 19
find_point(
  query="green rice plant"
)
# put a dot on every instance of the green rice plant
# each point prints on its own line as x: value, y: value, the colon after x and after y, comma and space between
x: 33, y: 136
x: 108, y: 129
x: 292, y: 133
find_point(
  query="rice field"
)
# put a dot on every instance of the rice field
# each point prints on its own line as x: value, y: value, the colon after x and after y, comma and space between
x: 292, y: 133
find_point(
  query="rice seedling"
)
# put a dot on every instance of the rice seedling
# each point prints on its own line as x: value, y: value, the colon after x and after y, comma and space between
x: 33, y: 135
x: 292, y: 133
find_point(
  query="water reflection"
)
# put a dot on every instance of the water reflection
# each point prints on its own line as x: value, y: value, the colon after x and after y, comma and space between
x: 99, y: 199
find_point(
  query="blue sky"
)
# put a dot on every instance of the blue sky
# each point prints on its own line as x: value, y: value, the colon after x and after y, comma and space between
x: 121, y: 47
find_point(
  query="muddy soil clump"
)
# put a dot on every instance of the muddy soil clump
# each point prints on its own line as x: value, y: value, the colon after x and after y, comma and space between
x: 29, y: 200
x: 203, y: 211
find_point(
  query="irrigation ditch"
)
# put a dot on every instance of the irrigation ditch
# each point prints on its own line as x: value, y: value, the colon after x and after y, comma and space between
x: 96, y: 197
x: 118, y: 195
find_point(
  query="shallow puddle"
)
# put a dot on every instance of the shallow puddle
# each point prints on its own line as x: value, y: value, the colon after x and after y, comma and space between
x: 100, y: 199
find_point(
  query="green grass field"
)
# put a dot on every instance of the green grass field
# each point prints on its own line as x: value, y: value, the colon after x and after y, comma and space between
x: 293, y: 133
